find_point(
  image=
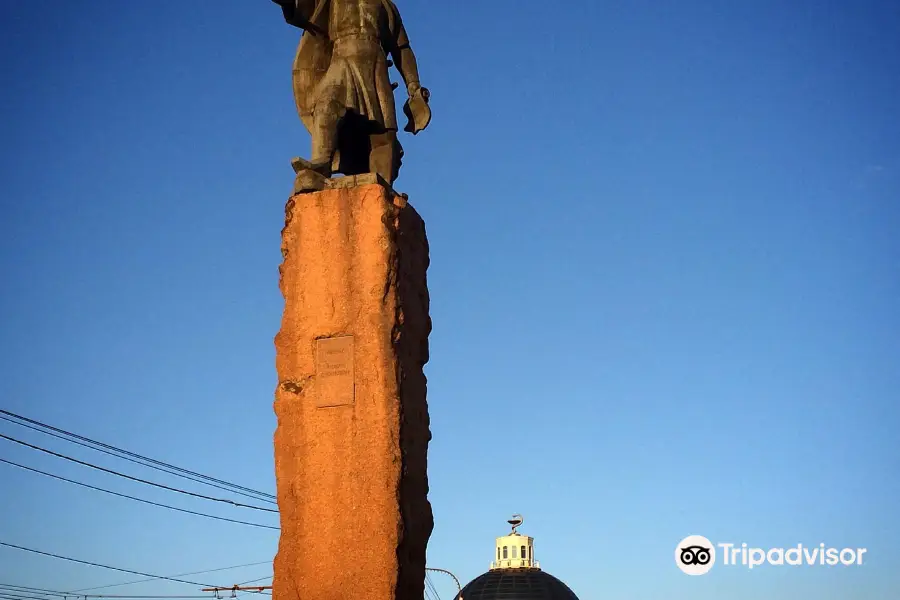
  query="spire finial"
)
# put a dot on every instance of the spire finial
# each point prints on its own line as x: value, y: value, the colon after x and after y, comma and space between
x: 516, y: 522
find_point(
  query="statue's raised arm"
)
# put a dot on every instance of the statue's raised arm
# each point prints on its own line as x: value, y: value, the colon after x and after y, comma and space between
x: 343, y: 90
x: 297, y: 12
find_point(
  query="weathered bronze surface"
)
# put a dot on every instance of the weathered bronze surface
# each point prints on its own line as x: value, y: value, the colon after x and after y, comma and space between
x: 334, y: 371
x: 343, y: 90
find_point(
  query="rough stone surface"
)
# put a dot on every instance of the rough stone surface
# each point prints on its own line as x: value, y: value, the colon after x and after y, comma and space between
x: 352, y: 481
x: 306, y: 182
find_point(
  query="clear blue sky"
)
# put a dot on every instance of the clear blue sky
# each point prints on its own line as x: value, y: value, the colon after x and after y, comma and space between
x: 664, y: 250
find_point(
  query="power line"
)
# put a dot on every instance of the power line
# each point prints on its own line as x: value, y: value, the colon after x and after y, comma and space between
x: 445, y: 572
x: 32, y: 590
x: 93, y: 564
x: 430, y: 593
x: 3, y: 594
x: 86, y: 596
x: 99, y: 489
x: 12, y: 596
x: 254, y: 580
x: 144, y: 481
x: 137, y: 458
x: 20, y: 595
x: 430, y: 584
x: 102, y: 587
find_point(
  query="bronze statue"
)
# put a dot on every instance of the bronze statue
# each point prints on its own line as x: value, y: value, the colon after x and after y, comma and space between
x: 343, y: 91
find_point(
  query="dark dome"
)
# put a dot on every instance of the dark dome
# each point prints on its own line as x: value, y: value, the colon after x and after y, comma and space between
x: 517, y: 584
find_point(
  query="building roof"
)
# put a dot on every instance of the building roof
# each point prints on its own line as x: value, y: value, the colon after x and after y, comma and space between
x: 515, y: 574
x: 517, y: 584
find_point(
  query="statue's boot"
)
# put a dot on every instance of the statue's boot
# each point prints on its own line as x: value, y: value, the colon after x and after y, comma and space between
x: 311, y: 177
x: 301, y: 164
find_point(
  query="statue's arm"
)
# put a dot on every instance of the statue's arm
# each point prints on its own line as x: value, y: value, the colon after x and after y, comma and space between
x: 297, y: 12
x: 404, y: 57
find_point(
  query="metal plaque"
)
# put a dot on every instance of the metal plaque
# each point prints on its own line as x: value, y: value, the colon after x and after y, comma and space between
x: 334, y: 372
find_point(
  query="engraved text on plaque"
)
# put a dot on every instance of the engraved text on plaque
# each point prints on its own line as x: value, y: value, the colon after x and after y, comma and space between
x: 334, y: 371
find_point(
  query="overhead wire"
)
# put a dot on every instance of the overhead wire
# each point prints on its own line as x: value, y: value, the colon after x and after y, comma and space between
x: 446, y: 572
x: 103, y: 587
x: 86, y: 596
x: 135, y: 455
x: 429, y: 583
x: 429, y: 595
x: 102, y: 566
x: 135, y: 458
x: 99, y: 489
x: 137, y: 479
x: 33, y: 590
x: 255, y: 580
x: 21, y: 596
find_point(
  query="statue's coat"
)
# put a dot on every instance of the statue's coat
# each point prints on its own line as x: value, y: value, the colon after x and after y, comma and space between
x: 315, y: 68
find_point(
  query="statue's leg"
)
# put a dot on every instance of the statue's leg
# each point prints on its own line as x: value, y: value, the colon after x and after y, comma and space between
x: 384, y: 158
x: 326, y: 119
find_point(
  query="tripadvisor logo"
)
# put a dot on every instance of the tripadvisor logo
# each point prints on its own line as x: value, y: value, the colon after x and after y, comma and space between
x: 696, y: 555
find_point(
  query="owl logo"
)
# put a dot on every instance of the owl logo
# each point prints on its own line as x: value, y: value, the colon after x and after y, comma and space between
x: 695, y: 555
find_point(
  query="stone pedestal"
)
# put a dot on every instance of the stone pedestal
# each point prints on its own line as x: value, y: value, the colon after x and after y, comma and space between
x: 353, y: 428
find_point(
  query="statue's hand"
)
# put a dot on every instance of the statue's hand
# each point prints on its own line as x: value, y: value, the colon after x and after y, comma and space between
x: 415, y: 89
x: 416, y: 109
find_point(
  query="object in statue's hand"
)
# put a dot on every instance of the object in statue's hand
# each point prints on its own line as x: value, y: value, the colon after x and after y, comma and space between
x: 417, y: 111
